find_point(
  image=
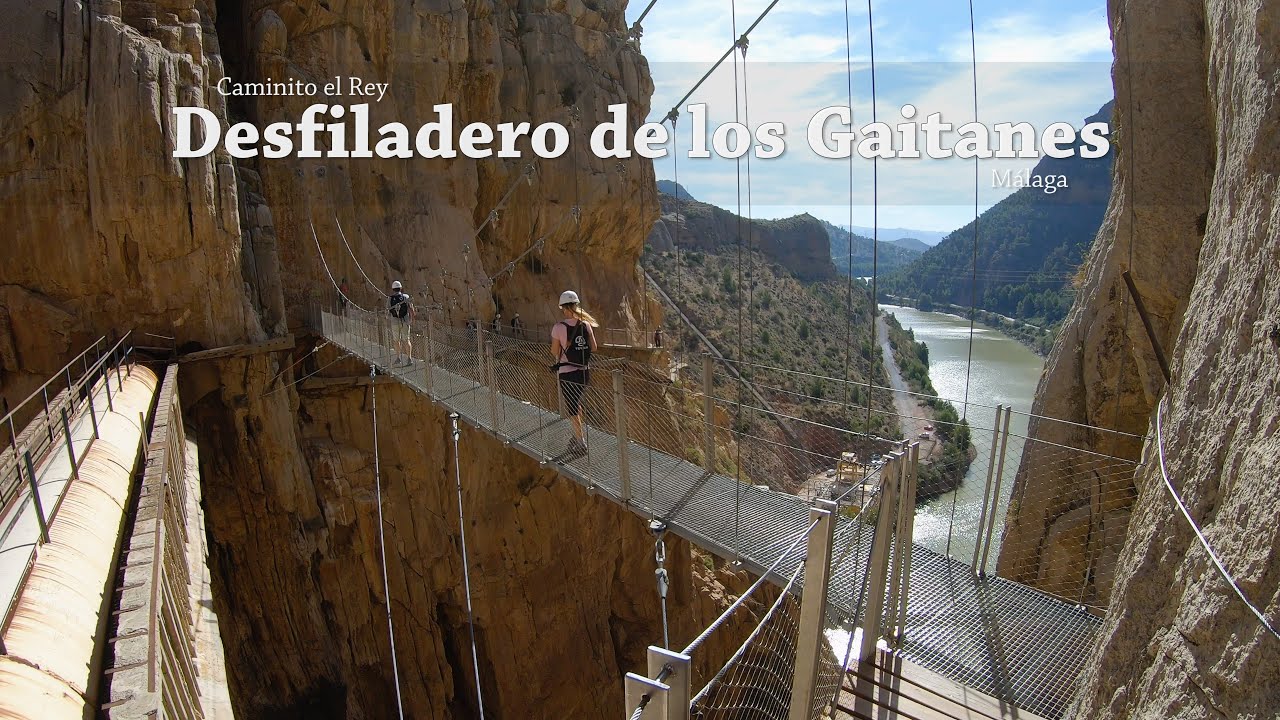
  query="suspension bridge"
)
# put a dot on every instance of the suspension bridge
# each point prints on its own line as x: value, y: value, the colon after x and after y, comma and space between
x: 656, y: 447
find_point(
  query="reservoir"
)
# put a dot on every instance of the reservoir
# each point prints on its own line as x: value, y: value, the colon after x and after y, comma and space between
x: 1003, y: 372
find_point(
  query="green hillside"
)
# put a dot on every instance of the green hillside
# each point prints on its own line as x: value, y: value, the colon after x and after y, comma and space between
x: 1030, y: 246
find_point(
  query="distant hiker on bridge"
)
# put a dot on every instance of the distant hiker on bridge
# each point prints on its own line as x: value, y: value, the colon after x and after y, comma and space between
x: 344, y: 292
x: 572, y: 342
x: 517, y: 326
x: 497, y: 324
x: 401, y: 309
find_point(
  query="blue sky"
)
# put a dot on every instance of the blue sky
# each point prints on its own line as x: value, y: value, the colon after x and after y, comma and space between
x: 1040, y: 62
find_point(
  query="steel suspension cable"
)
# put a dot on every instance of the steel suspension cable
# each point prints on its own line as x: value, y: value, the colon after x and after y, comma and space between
x: 973, y: 288
x: 875, y: 218
x: 466, y: 568
x: 848, y: 329
x: 1195, y: 528
x: 352, y: 253
x: 382, y: 545
x: 319, y: 251
x: 737, y: 419
x: 675, y: 109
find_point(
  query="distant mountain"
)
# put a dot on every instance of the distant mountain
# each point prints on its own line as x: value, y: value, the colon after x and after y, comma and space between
x: 674, y: 189
x: 799, y: 244
x: 910, y: 243
x: 890, y: 257
x: 928, y: 237
x: 1029, y: 246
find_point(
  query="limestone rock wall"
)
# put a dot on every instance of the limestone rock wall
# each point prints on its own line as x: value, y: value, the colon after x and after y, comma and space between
x: 1102, y: 371
x: 1197, y: 193
x: 104, y: 232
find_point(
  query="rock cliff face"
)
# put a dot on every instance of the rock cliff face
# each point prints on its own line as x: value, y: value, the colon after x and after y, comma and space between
x: 1194, y: 217
x: 108, y: 232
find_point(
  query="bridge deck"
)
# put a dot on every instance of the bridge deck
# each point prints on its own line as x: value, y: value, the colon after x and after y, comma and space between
x: 988, y: 633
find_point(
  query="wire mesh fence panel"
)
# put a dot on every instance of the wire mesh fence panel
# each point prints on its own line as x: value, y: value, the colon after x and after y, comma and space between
x: 755, y: 684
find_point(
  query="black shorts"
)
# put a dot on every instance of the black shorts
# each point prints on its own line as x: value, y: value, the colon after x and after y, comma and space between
x: 572, y: 385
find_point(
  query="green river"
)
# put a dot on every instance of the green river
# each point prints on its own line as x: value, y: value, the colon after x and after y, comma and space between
x: 1002, y: 372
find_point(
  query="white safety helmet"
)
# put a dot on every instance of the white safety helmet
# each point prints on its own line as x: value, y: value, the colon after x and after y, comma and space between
x: 395, y: 285
x: 568, y: 297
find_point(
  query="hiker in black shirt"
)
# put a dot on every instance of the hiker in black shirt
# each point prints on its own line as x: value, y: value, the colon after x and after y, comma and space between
x: 572, y: 342
x: 401, y: 309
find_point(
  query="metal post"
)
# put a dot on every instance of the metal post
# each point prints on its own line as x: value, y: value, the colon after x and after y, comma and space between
x: 813, y: 607
x: 620, y: 428
x: 986, y: 493
x: 430, y: 357
x: 678, y: 680
x: 48, y: 421
x: 878, y: 572
x: 912, y: 480
x: 995, y: 501
x: 635, y: 688
x: 492, y: 382
x: 35, y: 497
x: 106, y: 383
x: 479, y: 355
x: 118, y: 360
x: 71, y: 449
x: 708, y: 415
x: 900, y: 516
x: 71, y: 397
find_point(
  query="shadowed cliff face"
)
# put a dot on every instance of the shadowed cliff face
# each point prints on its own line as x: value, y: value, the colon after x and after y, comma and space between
x: 1194, y: 217
x: 110, y: 232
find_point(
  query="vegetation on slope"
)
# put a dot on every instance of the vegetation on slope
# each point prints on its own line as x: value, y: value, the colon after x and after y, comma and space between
x: 891, y: 256
x: 1030, y: 246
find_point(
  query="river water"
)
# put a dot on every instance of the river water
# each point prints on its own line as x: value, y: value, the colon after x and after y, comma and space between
x: 1003, y: 372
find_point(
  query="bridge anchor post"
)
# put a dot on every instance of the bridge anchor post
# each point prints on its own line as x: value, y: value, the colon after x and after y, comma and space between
x: 675, y: 669
x: 878, y: 572
x: 813, y: 607
x: 986, y: 493
x: 635, y: 688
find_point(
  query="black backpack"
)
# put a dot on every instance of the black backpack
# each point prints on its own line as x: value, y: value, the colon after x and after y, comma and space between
x: 577, y: 349
x: 399, y: 305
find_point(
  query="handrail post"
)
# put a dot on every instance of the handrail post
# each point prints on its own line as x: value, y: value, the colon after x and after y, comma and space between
x: 48, y: 421
x: 620, y: 428
x: 429, y: 354
x: 986, y: 493
x: 879, y: 569
x: 106, y: 383
x: 71, y: 449
x: 479, y: 355
x: 35, y: 496
x: 71, y: 397
x: 678, y: 680
x: 491, y: 379
x: 995, y: 500
x: 93, y: 412
x: 813, y: 609
x: 708, y: 415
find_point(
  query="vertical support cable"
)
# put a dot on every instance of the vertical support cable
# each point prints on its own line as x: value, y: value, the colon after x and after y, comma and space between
x: 875, y: 218
x: 382, y: 545
x: 466, y: 571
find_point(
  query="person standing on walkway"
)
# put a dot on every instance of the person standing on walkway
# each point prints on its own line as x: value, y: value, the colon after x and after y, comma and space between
x: 401, y: 309
x: 572, y: 342
x: 517, y: 326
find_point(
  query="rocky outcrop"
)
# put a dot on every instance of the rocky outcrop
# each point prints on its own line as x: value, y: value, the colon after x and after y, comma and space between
x: 1065, y: 534
x: 110, y: 233
x: 800, y: 244
x: 1194, y: 217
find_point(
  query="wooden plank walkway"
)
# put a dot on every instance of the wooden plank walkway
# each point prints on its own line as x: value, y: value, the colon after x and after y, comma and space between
x: 988, y: 633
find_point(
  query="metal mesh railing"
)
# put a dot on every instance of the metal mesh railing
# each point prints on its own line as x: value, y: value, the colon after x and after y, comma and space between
x: 735, y: 471
x: 756, y: 681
